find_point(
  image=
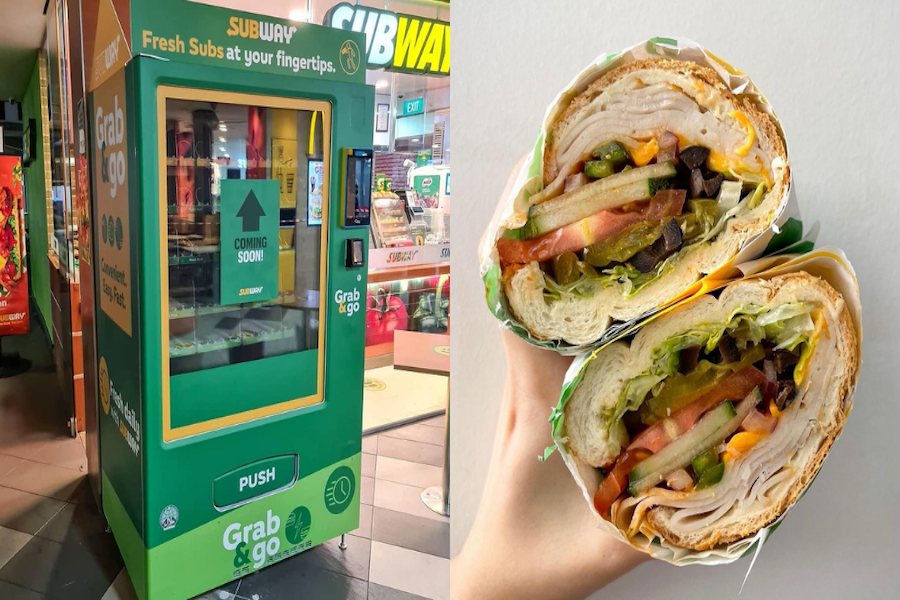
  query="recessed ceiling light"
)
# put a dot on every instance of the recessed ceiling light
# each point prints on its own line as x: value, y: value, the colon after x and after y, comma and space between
x: 221, y: 149
x: 223, y: 127
x: 298, y: 14
x: 382, y: 84
x: 221, y: 139
x: 227, y: 156
x: 416, y: 140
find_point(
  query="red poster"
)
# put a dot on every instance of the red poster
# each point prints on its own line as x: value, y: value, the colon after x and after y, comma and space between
x: 13, y: 279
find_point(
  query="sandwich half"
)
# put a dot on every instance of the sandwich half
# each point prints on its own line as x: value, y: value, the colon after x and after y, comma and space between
x: 654, y: 174
x: 12, y: 241
x: 709, y: 424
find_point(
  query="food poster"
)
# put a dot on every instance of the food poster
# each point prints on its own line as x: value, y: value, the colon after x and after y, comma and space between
x: 111, y: 180
x: 184, y: 170
x: 428, y: 188
x: 315, y: 181
x: 13, y: 278
x: 284, y: 154
x: 256, y: 142
x: 82, y: 207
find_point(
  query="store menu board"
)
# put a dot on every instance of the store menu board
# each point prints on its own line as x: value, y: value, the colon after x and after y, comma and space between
x: 428, y: 188
x: 13, y: 278
x: 315, y: 181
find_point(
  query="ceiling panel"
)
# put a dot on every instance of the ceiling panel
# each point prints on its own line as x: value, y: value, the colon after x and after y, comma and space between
x: 22, y: 27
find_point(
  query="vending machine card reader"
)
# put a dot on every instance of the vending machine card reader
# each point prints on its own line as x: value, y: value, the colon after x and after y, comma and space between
x: 356, y: 181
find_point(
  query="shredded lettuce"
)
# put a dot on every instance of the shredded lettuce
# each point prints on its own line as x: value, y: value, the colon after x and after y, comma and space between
x: 729, y: 195
x: 788, y: 326
x: 783, y: 312
x: 631, y: 280
x: 634, y: 393
x: 756, y: 198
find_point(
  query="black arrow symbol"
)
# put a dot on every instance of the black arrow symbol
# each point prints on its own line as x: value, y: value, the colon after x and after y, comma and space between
x: 250, y: 212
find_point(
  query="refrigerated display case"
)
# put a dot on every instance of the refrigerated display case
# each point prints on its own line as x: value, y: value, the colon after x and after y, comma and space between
x: 230, y: 327
x: 206, y: 332
x: 391, y: 224
x: 415, y: 304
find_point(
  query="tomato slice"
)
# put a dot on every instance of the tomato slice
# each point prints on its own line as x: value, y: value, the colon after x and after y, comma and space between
x: 593, y: 229
x: 615, y: 482
x: 735, y: 386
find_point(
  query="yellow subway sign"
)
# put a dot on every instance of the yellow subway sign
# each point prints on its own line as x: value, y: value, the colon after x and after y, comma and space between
x: 395, y: 41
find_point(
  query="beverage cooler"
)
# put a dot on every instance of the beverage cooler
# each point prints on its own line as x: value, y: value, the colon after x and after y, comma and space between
x: 231, y: 312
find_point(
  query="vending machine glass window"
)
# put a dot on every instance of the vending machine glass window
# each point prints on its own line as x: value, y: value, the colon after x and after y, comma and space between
x: 245, y: 254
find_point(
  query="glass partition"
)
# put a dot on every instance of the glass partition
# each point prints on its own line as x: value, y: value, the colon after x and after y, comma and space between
x: 207, y: 143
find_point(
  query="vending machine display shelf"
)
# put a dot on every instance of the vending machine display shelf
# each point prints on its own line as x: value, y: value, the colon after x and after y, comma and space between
x: 189, y: 259
x: 223, y: 339
x: 200, y: 208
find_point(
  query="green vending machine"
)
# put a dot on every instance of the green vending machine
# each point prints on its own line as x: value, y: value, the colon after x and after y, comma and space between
x: 232, y: 170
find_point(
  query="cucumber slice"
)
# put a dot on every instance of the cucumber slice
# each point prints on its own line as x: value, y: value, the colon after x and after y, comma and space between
x: 604, y: 194
x: 710, y: 431
x: 707, y: 433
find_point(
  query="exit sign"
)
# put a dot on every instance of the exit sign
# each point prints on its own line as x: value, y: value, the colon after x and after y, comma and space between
x: 413, y: 107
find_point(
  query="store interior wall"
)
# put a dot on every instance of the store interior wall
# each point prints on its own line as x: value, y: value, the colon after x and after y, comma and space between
x: 308, y: 237
x: 383, y: 138
x: 833, y: 79
x: 435, y: 100
x: 36, y: 199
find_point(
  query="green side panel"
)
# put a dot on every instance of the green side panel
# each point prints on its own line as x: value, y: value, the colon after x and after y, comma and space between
x: 255, y: 535
x: 36, y: 202
x: 127, y: 537
x: 122, y: 438
x: 189, y: 32
x: 181, y: 473
x: 287, y: 377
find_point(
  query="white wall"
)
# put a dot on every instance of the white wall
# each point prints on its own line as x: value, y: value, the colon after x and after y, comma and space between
x: 383, y: 138
x: 831, y: 72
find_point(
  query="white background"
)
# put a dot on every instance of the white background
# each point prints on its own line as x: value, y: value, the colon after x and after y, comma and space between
x: 832, y: 72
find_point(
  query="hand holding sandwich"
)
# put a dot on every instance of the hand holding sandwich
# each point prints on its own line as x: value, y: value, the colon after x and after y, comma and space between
x: 534, y: 536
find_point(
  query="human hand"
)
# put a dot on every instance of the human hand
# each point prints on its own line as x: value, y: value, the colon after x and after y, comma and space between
x: 534, y: 535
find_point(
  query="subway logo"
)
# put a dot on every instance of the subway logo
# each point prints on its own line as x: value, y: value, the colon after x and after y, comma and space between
x: 396, y: 41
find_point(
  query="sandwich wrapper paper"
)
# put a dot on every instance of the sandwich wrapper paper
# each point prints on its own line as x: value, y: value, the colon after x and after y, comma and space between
x: 828, y: 263
x: 784, y: 234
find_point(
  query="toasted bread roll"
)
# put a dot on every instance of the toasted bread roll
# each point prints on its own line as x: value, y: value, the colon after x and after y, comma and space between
x: 761, y: 481
x: 636, y: 105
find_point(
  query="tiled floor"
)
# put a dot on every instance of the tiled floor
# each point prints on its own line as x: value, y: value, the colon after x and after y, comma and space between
x: 53, y: 542
x: 393, y: 396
